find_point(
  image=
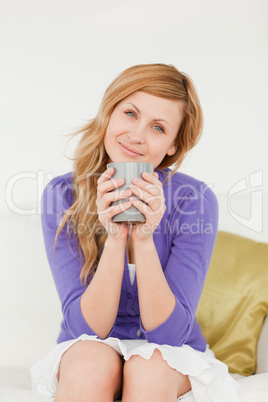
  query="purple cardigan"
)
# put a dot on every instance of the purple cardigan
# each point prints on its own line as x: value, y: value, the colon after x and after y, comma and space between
x: 184, y: 240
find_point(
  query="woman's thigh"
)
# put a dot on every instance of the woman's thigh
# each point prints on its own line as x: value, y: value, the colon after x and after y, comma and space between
x: 90, y: 365
x: 152, y: 378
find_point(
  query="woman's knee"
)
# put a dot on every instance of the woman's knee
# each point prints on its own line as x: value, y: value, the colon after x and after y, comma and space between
x: 154, y: 376
x: 139, y: 369
x: 90, y: 362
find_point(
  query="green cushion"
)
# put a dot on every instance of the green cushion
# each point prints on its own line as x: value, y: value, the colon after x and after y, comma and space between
x: 234, y: 301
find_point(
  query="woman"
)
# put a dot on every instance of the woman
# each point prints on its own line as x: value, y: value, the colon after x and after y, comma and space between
x: 124, y: 335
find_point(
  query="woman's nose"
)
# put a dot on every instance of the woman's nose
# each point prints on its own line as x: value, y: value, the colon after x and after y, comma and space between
x: 137, y: 135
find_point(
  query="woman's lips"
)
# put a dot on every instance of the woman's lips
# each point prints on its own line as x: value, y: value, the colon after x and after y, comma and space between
x: 129, y: 151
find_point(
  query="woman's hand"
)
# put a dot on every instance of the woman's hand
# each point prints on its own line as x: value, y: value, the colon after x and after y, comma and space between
x: 105, y: 196
x: 150, y: 190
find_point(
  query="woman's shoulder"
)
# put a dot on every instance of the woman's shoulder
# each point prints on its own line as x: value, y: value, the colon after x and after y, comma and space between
x: 181, y: 187
x: 58, y: 194
x: 181, y: 181
x: 62, y: 180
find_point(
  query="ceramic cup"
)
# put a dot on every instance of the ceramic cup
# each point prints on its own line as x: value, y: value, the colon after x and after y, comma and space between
x: 129, y: 170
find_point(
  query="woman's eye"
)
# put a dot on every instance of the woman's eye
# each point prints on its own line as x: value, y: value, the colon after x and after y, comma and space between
x: 159, y: 128
x: 130, y: 114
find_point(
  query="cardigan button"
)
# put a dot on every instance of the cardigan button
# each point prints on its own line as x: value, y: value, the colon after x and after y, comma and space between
x: 129, y: 295
x: 138, y: 332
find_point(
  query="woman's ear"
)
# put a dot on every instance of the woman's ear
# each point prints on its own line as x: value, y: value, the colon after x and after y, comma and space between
x: 171, y: 150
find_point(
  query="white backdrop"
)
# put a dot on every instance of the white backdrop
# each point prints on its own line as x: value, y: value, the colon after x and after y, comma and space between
x: 58, y: 56
x: 56, y: 59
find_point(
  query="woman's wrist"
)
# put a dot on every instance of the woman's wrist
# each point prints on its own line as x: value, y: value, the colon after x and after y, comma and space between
x: 143, y: 243
x: 116, y: 241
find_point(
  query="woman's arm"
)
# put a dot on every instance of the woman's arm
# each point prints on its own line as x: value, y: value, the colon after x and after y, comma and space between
x: 86, y: 309
x: 156, y: 300
x: 189, y: 231
x: 99, y: 302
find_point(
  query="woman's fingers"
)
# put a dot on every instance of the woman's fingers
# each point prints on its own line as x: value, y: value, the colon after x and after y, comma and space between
x: 105, y: 186
x: 116, y: 209
x: 113, y: 196
x: 146, y: 193
x: 151, y: 205
x: 107, y: 193
x: 148, y: 189
x: 107, y: 183
x: 105, y: 196
x: 141, y: 206
x: 149, y: 193
x: 149, y: 184
x: 152, y: 178
x: 105, y: 175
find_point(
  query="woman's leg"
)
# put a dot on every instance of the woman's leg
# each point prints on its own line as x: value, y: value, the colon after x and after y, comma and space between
x: 89, y: 371
x: 152, y: 380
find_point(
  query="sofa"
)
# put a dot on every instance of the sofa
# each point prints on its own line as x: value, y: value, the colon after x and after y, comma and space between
x: 232, y: 309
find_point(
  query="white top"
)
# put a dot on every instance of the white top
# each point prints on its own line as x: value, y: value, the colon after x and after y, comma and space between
x: 132, y: 272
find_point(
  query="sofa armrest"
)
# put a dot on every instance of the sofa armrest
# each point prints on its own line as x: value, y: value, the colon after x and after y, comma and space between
x: 262, y: 349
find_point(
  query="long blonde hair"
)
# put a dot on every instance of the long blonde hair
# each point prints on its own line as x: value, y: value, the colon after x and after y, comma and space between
x: 90, y: 157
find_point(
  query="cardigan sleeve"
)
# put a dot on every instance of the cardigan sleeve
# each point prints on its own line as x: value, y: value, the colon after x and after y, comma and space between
x: 65, y: 263
x: 192, y: 227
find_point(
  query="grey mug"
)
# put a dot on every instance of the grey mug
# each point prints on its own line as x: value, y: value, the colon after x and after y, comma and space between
x: 129, y: 170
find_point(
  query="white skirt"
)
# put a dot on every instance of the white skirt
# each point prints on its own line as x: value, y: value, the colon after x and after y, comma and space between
x: 209, y: 378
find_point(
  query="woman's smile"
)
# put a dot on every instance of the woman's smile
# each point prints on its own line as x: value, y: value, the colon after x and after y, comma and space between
x: 129, y: 150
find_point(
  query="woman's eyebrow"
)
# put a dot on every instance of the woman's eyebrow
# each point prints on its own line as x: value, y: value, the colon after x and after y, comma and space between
x: 155, y: 120
x: 135, y: 107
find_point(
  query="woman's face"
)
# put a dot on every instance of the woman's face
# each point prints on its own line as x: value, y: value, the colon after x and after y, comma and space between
x: 143, y: 128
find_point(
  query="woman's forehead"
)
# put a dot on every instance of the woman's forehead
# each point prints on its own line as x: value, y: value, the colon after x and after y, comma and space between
x: 157, y: 106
